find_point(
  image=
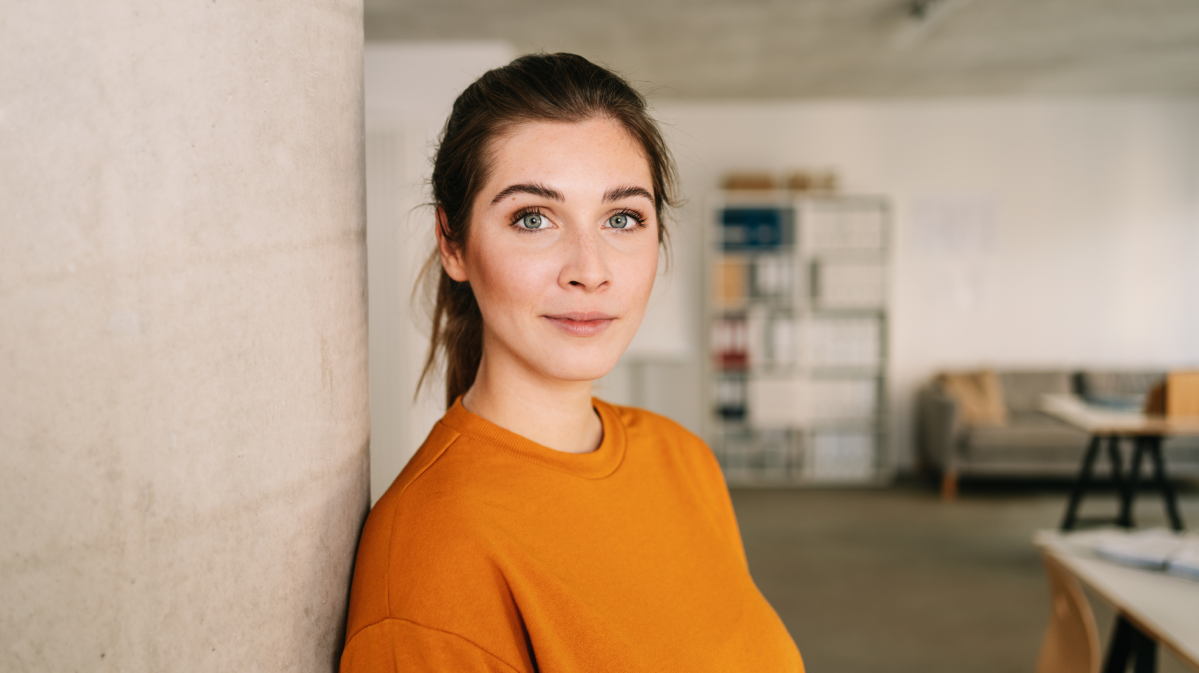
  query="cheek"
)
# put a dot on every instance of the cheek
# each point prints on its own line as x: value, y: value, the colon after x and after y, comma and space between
x: 640, y: 267
x: 507, y: 283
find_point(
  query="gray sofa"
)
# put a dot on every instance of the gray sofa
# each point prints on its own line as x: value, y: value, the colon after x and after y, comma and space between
x: 1031, y: 443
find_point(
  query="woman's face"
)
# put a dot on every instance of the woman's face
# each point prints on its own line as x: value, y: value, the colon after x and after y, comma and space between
x: 562, y: 249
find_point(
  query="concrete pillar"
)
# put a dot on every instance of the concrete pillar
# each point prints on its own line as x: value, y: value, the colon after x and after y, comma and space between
x: 183, y: 376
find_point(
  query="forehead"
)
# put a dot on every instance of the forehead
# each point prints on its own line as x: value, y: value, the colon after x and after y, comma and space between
x: 598, y: 149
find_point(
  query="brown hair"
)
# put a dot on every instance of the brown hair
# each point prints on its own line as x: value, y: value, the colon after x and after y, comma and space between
x: 533, y: 88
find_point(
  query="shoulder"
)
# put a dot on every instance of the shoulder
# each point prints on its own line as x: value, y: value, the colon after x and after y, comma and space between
x: 644, y: 426
x: 641, y: 423
x: 425, y: 533
x: 655, y: 434
x: 446, y: 493
x: 402, y: 644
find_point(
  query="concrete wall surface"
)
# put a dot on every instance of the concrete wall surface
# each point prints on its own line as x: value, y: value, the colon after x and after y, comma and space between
x: 183, y: 368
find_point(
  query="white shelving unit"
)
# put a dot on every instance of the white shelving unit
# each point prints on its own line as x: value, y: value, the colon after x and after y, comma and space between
x: 797, y: 311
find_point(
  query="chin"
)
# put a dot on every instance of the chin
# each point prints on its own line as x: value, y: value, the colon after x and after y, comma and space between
x: 579, y: 364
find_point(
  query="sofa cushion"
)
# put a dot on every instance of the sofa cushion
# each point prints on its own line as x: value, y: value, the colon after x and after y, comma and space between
x: 1022, y: 390
x: 979, y: 396
x: 1024, y: 432
x: 1117, y: 387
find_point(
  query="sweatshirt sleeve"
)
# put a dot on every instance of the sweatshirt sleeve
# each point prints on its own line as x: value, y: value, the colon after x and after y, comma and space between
x: 401, y: 645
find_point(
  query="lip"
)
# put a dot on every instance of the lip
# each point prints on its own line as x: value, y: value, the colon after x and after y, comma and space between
x: 581, y: 324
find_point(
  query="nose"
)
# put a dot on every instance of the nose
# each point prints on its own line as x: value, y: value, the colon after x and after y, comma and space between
x: 585, y: 266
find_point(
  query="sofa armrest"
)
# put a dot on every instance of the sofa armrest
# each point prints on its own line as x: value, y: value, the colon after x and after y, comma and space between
x: 939, y: 427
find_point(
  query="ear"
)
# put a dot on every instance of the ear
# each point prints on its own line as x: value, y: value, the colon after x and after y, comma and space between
x: 452, y: 259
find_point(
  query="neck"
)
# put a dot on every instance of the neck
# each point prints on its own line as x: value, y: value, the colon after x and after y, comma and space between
x: 554, y: 413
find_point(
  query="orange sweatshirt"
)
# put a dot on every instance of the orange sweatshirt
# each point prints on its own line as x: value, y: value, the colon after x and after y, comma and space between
x: 493, y: 553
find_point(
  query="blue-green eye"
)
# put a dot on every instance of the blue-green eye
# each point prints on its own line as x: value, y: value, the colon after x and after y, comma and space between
x: 620, y: 221
x: 531, y: 221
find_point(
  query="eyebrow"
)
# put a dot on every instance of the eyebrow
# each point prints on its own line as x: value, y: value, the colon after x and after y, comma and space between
x: 614, y: 194
x: 528, y: 188
x: 618, y: 193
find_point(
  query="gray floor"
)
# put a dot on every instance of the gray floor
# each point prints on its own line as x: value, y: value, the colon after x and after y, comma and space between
x: 895, y: 580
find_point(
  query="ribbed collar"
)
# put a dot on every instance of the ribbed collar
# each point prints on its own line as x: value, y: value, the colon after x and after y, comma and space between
x: 594, y: 465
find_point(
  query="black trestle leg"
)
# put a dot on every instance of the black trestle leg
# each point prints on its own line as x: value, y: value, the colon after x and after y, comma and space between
x: 1154, y: 447
x: 1145, y: 651
x: 1117, y: 462
x: 1120, y: 648
x: 1130, y: 484
x: 1080, y: 486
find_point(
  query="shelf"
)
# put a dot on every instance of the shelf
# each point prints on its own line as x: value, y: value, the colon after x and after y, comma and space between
x: 809, y: 405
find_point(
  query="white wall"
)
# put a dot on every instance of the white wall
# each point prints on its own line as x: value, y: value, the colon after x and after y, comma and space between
x: 1092, y: 256
x: 1087, y: 259
x: 410, y: 88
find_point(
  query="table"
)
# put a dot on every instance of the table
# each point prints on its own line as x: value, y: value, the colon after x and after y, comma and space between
x: 1146, y: 432
x: 1152, y: 608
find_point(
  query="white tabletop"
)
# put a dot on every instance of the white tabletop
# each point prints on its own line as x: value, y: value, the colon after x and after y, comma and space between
x: 1164, y: 607
x: 1103, y: 421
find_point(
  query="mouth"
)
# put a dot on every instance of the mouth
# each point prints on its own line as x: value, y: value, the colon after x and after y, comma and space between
x: 581, y: 324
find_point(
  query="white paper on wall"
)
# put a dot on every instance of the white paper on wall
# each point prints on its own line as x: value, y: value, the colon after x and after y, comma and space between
x: 954, y: 223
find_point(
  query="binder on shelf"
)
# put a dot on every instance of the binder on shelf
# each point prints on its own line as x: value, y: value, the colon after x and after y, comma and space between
x: 730, y: 343
x: 731, y: 283
x: 756, y: 228
x: 730, y: 398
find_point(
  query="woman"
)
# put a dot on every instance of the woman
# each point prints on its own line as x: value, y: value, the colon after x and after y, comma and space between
x: 539, y: 528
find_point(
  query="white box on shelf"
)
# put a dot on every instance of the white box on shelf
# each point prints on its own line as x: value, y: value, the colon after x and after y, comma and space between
x: 773, y: 276
x: 843, y: 342
x: 840, y: 456
x: 755, y: 338
x: 840, y: 399
x: 837, y: 229
x: 775, y: 453
x: 785, y: 338
x: 851, y: 284
x: 776, y: 402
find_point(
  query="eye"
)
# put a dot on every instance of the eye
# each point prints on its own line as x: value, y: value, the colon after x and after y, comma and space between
x: 620, y: 220
x: 531, y: 221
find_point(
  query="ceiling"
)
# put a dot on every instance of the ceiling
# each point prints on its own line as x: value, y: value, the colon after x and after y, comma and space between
x: 774, y: 49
